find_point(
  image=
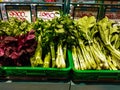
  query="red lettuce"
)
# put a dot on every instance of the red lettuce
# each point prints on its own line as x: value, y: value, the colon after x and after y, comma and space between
x: 16, y: 51
x: 1, y: 52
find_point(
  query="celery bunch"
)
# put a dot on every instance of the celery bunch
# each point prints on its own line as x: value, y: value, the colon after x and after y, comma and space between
x: 54, y: 39
x: 97, y: 44
x: 107, y: 32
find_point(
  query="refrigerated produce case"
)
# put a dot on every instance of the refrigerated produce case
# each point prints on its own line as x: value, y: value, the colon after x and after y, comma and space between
x: 104, y: 9
x: 68, y: 78
x: 23, y: 11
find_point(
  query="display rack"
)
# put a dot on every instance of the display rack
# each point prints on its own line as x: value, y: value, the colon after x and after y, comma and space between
x: 101, y: 5
x: 68, y: 78
x: 33, y: 7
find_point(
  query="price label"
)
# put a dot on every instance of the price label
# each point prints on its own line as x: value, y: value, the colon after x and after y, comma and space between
x: 22, y: 12
x: 88, y: 1
x: 82, y: 11
x: 50, y: 0
x: 113, y: 13
x: 48, y: 12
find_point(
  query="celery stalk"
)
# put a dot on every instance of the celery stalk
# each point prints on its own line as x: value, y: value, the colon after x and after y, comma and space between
x: 47, y: 58
x: 52, y: 49
x: 75, y: 58
x: 81, y: 60
x: 114, y: 51
x: 112, y: 66
x: 38, y: 53
x: 84, y: 53
x: 65, y: 51
x: 63, y: 64
x: 60, y: 62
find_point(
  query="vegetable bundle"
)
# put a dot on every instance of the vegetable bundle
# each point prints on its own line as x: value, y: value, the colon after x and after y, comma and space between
x: 52, y: 36
x: 97, y: 44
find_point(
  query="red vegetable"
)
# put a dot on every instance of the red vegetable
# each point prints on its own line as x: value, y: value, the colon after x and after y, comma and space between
x: 1, y: 52
x: 17, y: 50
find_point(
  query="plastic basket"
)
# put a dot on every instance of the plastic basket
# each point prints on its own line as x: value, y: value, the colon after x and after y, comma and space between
x: 93, y: 75
x: 42, y: 73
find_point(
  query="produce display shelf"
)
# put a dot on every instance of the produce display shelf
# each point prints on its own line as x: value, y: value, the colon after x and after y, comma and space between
x: 32, y: 2
x: 94, y: 75
x: 99, y: 4
x: 39, y: 72
x: 68, y: 73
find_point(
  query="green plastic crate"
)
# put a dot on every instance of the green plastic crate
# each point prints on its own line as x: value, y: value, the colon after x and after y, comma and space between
x: 43, y: 73
x: 93, y: 75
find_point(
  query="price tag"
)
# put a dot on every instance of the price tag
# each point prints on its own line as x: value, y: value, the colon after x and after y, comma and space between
x: 49, y: 0
x: 113, y: 13
x: 81, y: 11
x: 84, y: 1
x: 22, y: 12
x: 48, y: 12
x: 88, y: 1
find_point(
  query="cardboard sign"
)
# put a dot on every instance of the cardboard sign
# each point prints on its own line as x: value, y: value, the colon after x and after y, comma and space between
x: 81, y: 11
x: 22, y: 12
x: 113, y: 13
x: 48, y: 12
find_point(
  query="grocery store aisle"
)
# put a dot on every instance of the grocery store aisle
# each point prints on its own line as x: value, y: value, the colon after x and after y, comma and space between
x: 95, y: 86
x: 34, y: 85
x: 56, y: 86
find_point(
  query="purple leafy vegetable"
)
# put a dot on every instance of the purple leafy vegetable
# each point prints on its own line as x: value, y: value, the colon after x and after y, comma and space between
x: 1, y: 52
x: 17, y: 50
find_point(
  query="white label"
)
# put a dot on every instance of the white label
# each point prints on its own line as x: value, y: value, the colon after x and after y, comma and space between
x: 48, y: 12
x: 47, y: 15
x: 22, y: 15
x: 20, y: 12
x: 89, y: 1
x: 84, y: 1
